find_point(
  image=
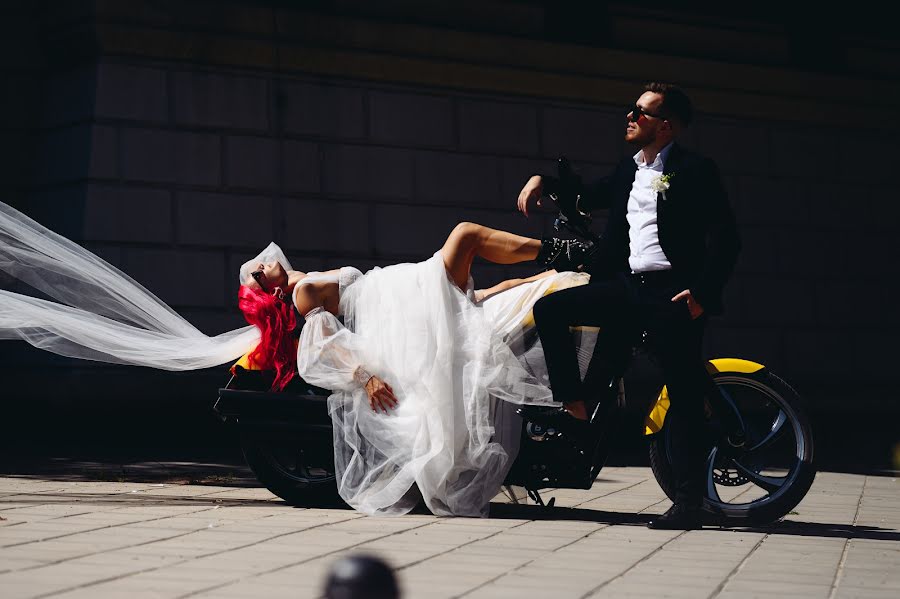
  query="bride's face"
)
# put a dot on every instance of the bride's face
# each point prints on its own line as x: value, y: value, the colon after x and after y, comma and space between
x: 266, y: 276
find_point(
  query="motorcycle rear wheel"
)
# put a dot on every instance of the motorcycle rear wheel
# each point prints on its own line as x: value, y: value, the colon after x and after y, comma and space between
x: 775, y: 470
x: 301, y: 474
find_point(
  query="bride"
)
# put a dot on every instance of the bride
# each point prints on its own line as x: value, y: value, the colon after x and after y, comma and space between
x: 416, y: 369
x: 424, y: 370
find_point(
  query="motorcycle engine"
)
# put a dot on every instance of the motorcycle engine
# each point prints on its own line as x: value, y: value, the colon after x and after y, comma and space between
x: 539, y: 432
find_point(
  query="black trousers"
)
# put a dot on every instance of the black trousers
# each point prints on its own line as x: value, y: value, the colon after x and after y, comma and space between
x: 628, y: 307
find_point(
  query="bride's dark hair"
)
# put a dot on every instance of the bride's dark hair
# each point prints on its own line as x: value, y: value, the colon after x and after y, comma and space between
x: 276, y: 321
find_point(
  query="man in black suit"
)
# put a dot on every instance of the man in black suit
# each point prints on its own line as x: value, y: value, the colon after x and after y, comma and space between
x: 670, y: 245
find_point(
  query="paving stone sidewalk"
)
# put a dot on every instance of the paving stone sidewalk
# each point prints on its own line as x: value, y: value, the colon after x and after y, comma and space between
x: 94, y: 539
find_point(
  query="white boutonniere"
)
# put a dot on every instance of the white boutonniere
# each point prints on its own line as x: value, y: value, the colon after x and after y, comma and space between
x: 661, y: 184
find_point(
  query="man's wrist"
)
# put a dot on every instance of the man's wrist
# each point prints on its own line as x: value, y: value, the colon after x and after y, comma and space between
x: 548, y: 184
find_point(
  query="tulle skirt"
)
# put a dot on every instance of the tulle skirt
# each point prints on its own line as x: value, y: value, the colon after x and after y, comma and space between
x: 451, y: 363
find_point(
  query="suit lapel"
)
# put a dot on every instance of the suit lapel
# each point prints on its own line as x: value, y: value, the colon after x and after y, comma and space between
x: 674, y: 162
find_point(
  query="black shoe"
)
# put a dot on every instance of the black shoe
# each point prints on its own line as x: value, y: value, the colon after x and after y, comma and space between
x: 564, y: 254
x: 583, y: 435
x: 679, y: 517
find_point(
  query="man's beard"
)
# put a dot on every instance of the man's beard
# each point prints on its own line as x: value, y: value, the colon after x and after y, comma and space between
x: 641, y: 141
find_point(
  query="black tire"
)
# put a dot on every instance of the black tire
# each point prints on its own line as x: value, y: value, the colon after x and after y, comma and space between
x: 301, y: 475
x: 766, y: 389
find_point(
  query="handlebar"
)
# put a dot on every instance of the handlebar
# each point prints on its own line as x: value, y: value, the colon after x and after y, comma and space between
x: 567, y: 197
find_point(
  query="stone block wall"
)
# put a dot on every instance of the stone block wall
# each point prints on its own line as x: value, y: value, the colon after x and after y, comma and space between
x: 179, y: 170
x: 180, y: 173
x: 183, y: 172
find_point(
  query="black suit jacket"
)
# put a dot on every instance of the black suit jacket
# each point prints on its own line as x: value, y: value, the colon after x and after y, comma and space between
x: 697, y: 229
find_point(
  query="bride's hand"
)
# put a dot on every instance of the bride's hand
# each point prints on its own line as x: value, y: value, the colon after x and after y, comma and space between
x: 381, y: 395
x: 532, y: 189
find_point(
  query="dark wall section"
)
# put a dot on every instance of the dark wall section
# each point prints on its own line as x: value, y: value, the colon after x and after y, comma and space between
x: 22, y: 63
x: 176, y: 139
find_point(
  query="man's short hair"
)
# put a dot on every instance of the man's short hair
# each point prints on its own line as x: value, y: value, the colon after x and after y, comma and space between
x: 675, y: 104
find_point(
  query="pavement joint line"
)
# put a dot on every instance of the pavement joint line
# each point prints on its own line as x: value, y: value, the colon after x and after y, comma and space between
x: 57, y: 489
x: 640, y: 511
x: 291, y: 565
x: 69, y: 534
x: 610, y: 493
x: 144, y: 487
x: 125, y: 507
x: 528, y: 563
x: 721, y: 586
x: 741, y: 494
x: 148, y: 499
x: 60, y: 561
x: 490, y: 536
x: 145, y: 570
x: 633, y: 566
x: 839, y: 571
x: 99, y: 511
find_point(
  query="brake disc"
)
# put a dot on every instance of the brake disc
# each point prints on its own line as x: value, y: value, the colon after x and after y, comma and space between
x: 729, y: 477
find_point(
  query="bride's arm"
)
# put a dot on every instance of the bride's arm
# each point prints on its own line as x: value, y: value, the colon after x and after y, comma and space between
x: 307, y: 298
x: 483, y: 294
x: 333, y: 357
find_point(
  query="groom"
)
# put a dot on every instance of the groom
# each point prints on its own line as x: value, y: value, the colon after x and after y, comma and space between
x: 670, y: 245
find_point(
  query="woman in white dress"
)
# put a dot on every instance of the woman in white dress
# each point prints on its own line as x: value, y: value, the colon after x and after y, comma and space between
x: 416, y: 368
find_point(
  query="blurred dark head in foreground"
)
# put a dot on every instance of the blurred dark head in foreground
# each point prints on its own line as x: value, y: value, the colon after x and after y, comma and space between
x: 361, y: 577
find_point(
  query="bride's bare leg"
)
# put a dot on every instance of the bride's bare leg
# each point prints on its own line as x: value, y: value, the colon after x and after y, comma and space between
x: 468, y: 240
x: 483, y: 294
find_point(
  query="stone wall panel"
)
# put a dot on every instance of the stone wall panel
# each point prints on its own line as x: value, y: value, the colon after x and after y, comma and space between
x: 222, y: 220
x: 219, y: 100
x: 127, y: 214
x: 173, y: 157
x: 411, y: 119
x: 498, y: 127
x: 322, y: 110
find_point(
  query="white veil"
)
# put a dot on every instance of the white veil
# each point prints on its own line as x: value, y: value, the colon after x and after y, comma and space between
x: 99, y: 312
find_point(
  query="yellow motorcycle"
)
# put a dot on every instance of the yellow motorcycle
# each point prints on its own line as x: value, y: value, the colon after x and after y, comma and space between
x: 759, y: 465
x: 287, y: 441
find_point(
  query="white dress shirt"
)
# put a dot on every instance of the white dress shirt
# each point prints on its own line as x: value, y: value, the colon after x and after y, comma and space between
x: 643, y: 233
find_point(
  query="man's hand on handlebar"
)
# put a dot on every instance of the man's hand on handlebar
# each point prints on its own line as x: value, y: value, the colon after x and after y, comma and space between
x: 381, y: 395
x: 532, y: 189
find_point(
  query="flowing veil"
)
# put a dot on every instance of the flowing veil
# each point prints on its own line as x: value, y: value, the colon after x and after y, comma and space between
x: 99, y: 312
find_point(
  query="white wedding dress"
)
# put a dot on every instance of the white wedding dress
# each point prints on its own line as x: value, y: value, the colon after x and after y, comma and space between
x: 458, y: 370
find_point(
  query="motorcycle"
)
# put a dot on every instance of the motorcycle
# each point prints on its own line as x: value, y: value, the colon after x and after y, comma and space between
x: 759, y: 464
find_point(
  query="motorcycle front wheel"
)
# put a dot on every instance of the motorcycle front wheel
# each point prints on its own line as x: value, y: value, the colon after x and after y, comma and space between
x: 774, y: 470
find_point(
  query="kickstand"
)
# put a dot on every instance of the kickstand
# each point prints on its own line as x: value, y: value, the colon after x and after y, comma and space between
x: 533, y: 493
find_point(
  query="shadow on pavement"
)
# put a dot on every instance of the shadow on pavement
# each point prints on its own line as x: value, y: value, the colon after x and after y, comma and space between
x: 133, y: 499
x: 787, y: 527
x: 821, y: 529
x: 223, y: 471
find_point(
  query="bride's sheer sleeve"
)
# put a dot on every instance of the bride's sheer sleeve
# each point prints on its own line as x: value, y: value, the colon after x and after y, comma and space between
x: 329, y: 355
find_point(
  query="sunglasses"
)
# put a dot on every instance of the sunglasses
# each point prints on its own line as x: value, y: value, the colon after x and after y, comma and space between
x: 257, y: 276
x: 636, y: 112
